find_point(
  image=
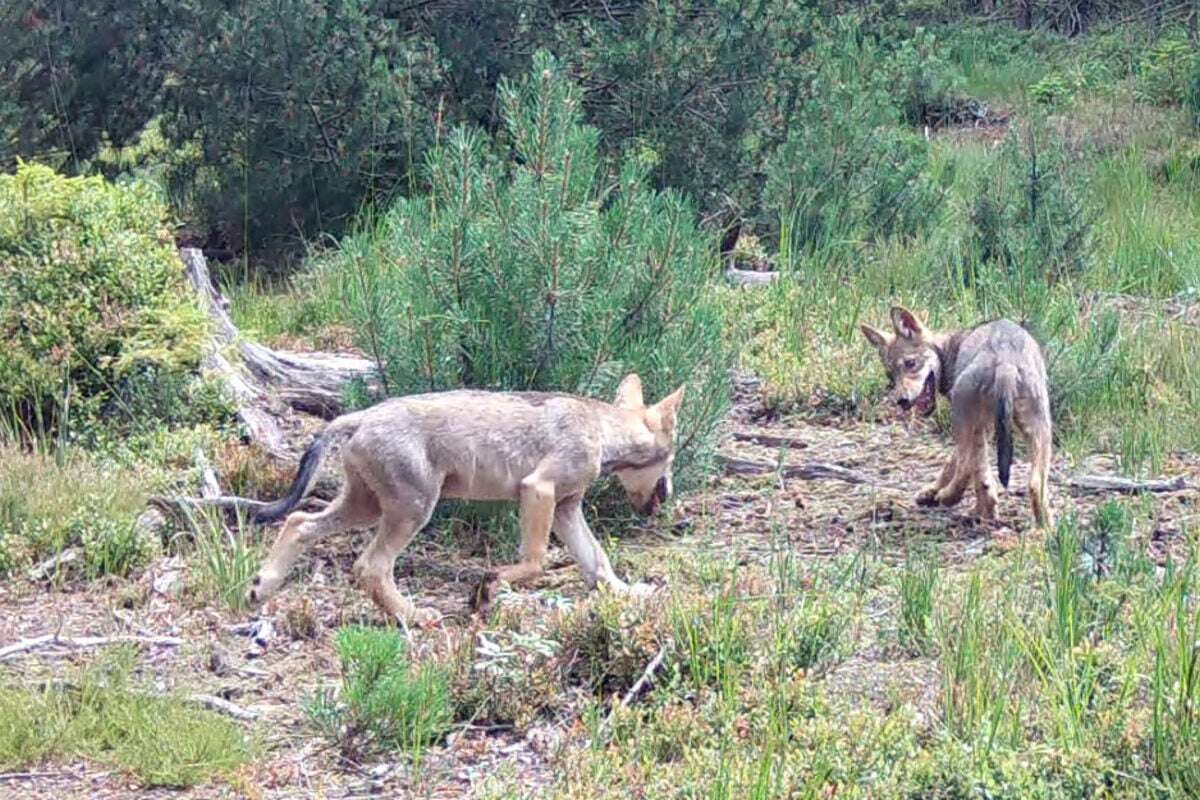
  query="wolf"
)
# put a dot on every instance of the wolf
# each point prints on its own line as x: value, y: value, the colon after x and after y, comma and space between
x: 994, y: 376
x: 541, y: 450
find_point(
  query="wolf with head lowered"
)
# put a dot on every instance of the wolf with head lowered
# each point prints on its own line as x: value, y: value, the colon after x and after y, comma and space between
x: 995, y: 378
x: 541, y: 450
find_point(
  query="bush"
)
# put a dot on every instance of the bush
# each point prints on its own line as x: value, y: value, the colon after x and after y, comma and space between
x: 386, y: 701
x: 302, y: 110
x: 1167, y: 70
x: 1028, y: 217
x: 91, y: 294
x: 849, y: 167
x: 525, y: 268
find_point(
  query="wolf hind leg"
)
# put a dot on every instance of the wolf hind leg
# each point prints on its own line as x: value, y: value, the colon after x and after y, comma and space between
x: 970, y: 425
x: 1037, y: 427
x: 404, y: 515
x: 356, y: 506
x: 986, y: 494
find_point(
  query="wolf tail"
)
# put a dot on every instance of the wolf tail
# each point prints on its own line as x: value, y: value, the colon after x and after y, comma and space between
x: 1006, y: 390
x: 273, y: 512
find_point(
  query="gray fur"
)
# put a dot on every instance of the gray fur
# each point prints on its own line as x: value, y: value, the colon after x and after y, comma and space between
x: 541, y: 450
x: 994, y: 377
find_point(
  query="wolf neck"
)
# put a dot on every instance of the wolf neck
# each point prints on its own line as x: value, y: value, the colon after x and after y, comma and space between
x: 946, y: 344
x: 621, y: 447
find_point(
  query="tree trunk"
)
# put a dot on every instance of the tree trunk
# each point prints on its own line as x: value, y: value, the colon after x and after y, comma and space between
x: 267, y: 385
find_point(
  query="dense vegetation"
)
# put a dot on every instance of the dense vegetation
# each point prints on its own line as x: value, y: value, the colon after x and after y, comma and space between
x: 546, y: 195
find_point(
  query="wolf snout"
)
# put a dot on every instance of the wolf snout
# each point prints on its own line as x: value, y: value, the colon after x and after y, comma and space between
x: 904, y: 403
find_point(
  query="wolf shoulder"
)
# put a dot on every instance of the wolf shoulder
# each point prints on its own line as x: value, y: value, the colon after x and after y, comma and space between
x: 1002, y: 336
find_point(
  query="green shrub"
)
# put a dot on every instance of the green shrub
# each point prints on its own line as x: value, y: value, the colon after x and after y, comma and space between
x: 527, y: 268
x: 1028, y: 218
x: 91, y: 294
x: 386, y: 700
x: 849, y: 168
x: 1167, y: 70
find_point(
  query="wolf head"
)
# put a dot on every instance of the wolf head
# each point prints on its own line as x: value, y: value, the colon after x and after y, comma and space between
x: 647, y: 482
x: 911, y: 359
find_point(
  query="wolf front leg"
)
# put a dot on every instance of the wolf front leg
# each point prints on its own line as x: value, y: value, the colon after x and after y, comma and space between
x: 573, y: 530
x: 537, y: 515
x: 928, y: 495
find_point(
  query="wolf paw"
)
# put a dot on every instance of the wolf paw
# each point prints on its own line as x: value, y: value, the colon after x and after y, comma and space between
x: 642, y: 590
x: 927, y: 497
x: 262, y: 587
x: 945, y: 498
x: 426, y: 618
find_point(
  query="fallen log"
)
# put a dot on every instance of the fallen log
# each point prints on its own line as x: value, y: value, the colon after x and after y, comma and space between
x: 269, y: 385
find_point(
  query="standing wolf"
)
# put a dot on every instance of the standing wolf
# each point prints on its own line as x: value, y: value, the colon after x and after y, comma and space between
x: 995, y: 376
x: 541, y: 450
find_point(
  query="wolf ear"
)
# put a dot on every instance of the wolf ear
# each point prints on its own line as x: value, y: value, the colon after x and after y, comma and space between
x: 906, y: 323
x: 875, y: 336
x: 629, y: 393
x: 667, y: 409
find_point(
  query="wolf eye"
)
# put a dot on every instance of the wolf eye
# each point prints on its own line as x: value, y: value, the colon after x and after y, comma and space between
x: 911, y: 364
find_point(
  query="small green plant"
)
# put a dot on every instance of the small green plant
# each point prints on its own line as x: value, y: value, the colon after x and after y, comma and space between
x: 918, y: 581
x: 102, y: 714
x: 810, y: 634
x: 50, y: 501
x: 386, y: 701
x: 1166, y: 72
x: 1052, y: 88
x: 1175, y: 684
x: 713, y: 640
x: 224, y: 562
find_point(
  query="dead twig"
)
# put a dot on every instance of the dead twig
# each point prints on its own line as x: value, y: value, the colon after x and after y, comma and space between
x: 81, y: 642
x: 769, y: 440
x: 645, y: 678
x: 812, y: 471
x: 221, y: 706
x: 1107, y: 483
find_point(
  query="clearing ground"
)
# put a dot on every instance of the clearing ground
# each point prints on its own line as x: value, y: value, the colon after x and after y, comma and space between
x: 860, y: 504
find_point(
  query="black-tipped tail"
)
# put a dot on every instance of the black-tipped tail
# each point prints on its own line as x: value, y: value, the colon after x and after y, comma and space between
x: 1004, y: 443
x: 304, y: 475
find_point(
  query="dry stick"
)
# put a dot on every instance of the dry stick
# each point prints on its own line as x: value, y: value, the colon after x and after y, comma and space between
x: 647, y: 674
x: 1108, y: 483
x: 814, y: 470
x: 769, y: 440
x: 52, y: 640
x: 820, y: 471
x: 221, y: 706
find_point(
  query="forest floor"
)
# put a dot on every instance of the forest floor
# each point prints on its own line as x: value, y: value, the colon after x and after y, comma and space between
x: 867, y: 514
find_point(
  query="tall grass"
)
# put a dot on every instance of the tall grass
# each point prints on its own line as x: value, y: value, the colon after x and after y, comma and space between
x: 223, y: 562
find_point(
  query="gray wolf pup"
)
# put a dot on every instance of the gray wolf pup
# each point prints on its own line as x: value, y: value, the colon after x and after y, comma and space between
x: 541, y: 450
x: 994, y: 376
